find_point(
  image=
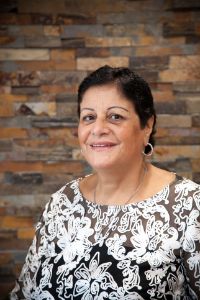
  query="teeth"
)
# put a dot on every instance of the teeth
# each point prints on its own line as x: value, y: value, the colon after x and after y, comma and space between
x: 101, y: 145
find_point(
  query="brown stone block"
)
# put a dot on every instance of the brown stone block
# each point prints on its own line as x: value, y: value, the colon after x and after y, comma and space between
x: 93, y: 52
x: 15, y: 222
x: 144, y: 41
x: 10, y: 166
x: 65, y: 134
x: 62, y: 55
x: 91, y: 63
x: 24, y: 54
x: 171, y: 108
x: 108, y: 42
x: 46, y: 65
x: 4, y: 40
x: 51, y: 30
x: 24, y: 19
x: 184, y: 28
x: 196, y: 120
x: 64, y: 167
x: 66, y: 19
x: 44, y: 18
x: 122, y: 30
x: 66, y: 109
x: 186, y: 88
x: 181, y: 41
x: 57, y: 89
x: 195, y: 165
x: 72, y: 43
x: 152, y: 63
x: 157, y: 50
x: 166, y: 153
x: 41, y: 7
x: 14, y: 244
x: 8, y: 19
x: 37, y: 41
x: 6, y: 109
x: 26, y: 233
x: 13, y: 98
x: 161, y: 132
x: 7, y: 133
x: 5, y: 258
x: 174, y: 121
x: 163, y: 93
x: 35, y: 65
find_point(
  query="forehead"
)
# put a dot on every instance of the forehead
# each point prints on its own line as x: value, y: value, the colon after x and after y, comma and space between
x: 105, y: 94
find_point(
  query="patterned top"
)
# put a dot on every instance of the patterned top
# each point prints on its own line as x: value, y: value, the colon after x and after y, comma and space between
x: 142, y: 251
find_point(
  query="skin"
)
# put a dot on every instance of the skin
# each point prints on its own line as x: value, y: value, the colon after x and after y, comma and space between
x: 112, y: 141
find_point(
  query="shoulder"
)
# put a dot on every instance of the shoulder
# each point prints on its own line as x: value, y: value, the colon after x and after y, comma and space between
x: 186, y: 194
x: 63, y: 198
x: 186, y: 186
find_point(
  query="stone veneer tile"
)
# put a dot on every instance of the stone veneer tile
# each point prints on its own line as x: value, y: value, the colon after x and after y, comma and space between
x: 24, y: 54
x: 91, y: 63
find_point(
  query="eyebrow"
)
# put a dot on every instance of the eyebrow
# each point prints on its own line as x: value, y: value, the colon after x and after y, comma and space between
x: 92, y: 109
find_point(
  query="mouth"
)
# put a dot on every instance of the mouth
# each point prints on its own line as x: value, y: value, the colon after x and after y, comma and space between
x: 102, y: 146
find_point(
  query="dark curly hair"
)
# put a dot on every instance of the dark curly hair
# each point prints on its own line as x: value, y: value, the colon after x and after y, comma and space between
x: 131, y: 85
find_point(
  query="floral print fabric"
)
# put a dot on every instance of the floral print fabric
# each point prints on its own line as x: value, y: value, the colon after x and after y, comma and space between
x: 148, y: 250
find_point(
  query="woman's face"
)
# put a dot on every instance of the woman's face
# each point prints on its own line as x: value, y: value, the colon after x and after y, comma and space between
x: 109, y: 130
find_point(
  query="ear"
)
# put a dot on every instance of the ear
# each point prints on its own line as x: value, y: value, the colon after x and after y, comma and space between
x: 148, y: 130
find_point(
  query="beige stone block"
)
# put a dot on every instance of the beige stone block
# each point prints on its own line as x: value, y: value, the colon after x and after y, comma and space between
x: 193, y: 106
x: 24, y: 54
x: 50, y: 30
x: 91, y: 63
x: 108, y: 42
x: 174, y: 121
x: 41, y: 108
x: 173, y: 75
x: 185, y: 62
x: 173, y: 40
x: 170, y: 153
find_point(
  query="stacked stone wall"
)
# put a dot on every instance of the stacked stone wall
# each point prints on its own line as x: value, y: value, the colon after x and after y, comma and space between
x: 46, y: 48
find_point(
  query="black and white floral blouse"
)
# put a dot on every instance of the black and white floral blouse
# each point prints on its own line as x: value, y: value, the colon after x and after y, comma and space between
x: 148, y: 250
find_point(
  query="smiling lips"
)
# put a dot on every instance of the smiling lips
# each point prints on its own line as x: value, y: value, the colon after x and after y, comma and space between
x: 102, y: 146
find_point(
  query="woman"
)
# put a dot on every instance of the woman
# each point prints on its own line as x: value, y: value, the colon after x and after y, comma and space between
x: 127, y: 231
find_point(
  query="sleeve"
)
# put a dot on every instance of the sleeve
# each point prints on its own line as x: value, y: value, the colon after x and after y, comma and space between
x: 191, y: 245
x: 26, y: 281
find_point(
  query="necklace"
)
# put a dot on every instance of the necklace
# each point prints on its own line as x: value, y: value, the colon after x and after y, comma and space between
x: 132, y: 196
x: 106, y: 231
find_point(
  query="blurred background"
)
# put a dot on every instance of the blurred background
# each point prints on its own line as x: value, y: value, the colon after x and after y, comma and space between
x: 46, y: 48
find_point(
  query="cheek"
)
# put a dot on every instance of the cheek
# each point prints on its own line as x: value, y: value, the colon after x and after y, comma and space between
x: 82, y: 134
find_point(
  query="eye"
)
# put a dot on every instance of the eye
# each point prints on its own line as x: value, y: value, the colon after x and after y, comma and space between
x: 87, y: 118
x: 115, y: 117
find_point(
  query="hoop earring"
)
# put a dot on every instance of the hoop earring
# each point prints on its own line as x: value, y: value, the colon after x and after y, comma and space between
x: 150, y: 152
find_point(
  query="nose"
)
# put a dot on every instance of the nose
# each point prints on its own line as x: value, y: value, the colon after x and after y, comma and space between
x: 100, y: 127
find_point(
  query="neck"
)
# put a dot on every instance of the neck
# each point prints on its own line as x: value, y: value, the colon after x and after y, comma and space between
x: 119, y: 187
